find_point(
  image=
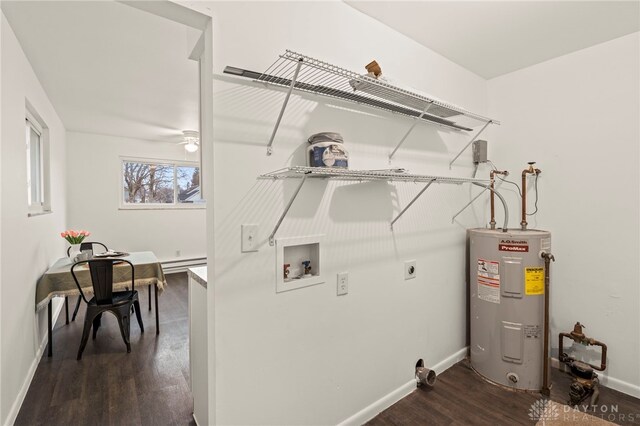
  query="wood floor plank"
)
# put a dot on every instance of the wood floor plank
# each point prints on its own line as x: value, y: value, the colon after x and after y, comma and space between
x: 149, y: 386
x: 461, y: 397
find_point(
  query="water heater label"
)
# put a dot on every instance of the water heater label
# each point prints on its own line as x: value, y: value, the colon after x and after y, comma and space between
x: 534, y: 280
x: 531, y: 331
x: 489, y: 280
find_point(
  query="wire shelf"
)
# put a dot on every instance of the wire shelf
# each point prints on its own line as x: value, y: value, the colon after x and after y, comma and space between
x: 295, y: 71
x: 392, y: 175
x: 330, y: 80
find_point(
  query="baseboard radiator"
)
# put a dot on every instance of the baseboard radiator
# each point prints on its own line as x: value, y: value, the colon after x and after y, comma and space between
x: 181, y: 265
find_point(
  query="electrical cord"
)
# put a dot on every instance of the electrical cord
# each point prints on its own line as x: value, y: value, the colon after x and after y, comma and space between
x: 518, y: 186
x: 512, y: 183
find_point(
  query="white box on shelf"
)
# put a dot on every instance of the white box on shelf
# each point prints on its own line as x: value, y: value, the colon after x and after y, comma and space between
x: 294, y: 251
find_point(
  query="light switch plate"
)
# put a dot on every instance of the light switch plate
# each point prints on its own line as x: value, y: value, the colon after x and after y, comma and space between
x: 249, y: 238
x: 343, y: 283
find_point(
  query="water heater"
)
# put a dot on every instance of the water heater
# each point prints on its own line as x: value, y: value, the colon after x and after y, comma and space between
x: 506, y: 290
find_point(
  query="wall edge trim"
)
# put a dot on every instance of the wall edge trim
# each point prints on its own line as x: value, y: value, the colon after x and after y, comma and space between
x: 17, y: 403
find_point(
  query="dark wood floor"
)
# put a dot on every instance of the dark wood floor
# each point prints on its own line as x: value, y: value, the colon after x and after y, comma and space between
x: 461, y: 397
x: 149, y: 386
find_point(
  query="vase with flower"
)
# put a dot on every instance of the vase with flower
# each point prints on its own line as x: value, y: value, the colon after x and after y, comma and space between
x: 74, y: 238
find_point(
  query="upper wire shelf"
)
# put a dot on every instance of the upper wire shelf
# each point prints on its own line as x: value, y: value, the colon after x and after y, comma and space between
x: 392, y: 175
x: 324, y: 78
x: 294, y: 70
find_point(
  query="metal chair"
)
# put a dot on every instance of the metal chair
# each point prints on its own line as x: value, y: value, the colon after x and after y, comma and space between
x: 119, y: 303
x: 84, y: 246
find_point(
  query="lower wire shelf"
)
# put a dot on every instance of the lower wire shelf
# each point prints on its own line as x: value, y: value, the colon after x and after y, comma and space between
x: 389, y: 175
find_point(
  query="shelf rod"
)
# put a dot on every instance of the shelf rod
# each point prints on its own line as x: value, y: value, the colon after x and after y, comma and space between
x: 286, y: 210
x: 468, y: 204
x: 284, y: 106
x: 410, y: 130
x: 411, y: 203
x: 470, y: 142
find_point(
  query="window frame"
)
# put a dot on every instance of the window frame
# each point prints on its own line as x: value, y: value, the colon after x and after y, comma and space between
x: 43, y: 206
x: 159, y: 206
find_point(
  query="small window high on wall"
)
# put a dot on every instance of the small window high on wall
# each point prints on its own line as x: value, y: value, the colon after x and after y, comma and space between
x: 160, y: 184
x: 37, y: 165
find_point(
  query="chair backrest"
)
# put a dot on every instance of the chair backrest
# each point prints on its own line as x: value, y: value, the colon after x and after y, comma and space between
x: 101, y: 272
x: 84, y: 246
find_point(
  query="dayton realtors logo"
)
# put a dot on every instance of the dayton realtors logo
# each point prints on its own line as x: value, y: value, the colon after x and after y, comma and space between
x: 543, y: 409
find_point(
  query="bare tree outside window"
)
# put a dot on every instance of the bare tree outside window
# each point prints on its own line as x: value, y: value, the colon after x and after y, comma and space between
x: 160, y: 183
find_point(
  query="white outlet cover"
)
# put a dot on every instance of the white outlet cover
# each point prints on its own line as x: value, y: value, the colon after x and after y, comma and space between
x: 410, y: 270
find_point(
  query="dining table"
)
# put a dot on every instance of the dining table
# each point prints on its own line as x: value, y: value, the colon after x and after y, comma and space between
x: 58, y: 281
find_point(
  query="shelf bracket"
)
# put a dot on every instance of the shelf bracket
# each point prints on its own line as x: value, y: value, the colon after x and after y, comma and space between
x: 412, y: 201
x: 424, y: 111
x: 286, y: 210
x: 468, y: 204
x: 470, y: 142
x: 284, y: 106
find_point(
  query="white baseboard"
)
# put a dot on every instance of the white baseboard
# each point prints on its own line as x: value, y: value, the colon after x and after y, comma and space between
x: 182, y: 265
x: 450, y: 361
x: 368, y: 413
x: 608, y: 381
x: 15, y: 408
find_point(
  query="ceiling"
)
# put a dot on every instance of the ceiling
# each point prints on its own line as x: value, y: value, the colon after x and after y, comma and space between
x: 491, y: 38
x: 109, y: 68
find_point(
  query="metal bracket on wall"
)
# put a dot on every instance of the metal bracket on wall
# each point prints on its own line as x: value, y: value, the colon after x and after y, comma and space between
x: 286, y: 210
x: 453, y: 218
x: 411, y: 202
x: 284, y: 106
x: 470, y: 142
x: 424, y: 111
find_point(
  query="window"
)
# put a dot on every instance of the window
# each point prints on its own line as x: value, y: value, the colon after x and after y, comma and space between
x: 37, y: 166
x: 160, y: 184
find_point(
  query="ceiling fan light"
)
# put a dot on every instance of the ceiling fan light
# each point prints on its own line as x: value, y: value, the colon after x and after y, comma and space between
x: 191, y: 147
x: 191, y: 140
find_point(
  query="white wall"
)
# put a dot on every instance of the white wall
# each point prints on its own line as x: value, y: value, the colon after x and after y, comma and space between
x: 307, y: 356
x: 94, y: 196
x: 29, y: 245
x: 577, y: 115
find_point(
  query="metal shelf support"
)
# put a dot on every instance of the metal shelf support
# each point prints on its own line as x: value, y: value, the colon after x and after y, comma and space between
x: 284, y: 105
x: 286, y: 210
x: 424, y: 111
x: 470, y: 142
x: 412, y: 201
x: 468, y: 204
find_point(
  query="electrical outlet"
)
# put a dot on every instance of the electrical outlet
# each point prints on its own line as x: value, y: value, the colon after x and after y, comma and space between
x: 343, y: 283
x: 249, y: 238
x: 409, y: 269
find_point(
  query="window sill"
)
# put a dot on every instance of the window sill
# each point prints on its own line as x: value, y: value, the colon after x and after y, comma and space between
x: 42, y: 213
x: 199, y: 206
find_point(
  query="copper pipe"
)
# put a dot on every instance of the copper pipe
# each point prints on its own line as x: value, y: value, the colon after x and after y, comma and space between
x: 578, y: 336
x: 532, y: 171
x: 546, y: 381
x: 492, y: 174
